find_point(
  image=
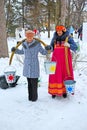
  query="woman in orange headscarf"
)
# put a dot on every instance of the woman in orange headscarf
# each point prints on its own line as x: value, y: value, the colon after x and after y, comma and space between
x: 61, y: 43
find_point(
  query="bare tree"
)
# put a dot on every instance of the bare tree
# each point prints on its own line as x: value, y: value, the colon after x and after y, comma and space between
x: 63, y: 11
x: 79, y: 9
x: 3, y: 38
x: 58, y: 12
x: 43, y: 13
x: 75, y: 12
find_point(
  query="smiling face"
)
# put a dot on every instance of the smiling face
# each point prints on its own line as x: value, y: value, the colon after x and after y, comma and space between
x: 29, y: 35
x: 59, y: 32
x: 29, y: 38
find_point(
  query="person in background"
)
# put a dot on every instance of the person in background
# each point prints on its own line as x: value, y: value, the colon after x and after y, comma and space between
x: 61, y: 43
x: 75, y: 35
x: 76, y: 39
x: 30, y: 49
x: 80, y: 32
x: 37, y: 33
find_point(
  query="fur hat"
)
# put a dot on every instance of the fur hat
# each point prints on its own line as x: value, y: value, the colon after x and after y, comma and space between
x: 29, y: 33
x: 60, y: 28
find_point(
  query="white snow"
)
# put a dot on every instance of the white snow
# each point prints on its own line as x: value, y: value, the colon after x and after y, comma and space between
x: 17, y: 113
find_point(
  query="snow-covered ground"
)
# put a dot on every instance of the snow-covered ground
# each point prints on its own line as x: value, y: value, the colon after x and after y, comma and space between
x: 17, y: 113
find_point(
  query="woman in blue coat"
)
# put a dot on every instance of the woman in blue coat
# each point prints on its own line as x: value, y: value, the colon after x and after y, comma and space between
x: 30, y: 49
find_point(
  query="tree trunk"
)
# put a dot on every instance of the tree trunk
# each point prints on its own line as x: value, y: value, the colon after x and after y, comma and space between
x: 3, y: 37
x: 68, y: 14
x: 57, y: 12
x: 63, y: 11
x: 49, y: 18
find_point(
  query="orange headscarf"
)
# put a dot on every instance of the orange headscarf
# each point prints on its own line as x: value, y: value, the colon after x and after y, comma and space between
x: 60, y: 28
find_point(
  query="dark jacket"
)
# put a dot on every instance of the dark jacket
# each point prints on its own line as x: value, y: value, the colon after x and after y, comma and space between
x: 56, y: 38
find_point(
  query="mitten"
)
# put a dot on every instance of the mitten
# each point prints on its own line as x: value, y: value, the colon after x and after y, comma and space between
x: 66, y: 44
x: 13, y: 49
x: 48, y: 47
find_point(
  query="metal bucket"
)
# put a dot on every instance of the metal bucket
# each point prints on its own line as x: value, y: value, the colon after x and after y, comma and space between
x: 10, y: 74
x: 70, y: 86
x: 50, y: 67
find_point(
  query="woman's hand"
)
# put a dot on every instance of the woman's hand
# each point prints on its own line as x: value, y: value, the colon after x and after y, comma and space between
x: 48, y: 47
x: 13, y: 49
x: 66, y: 44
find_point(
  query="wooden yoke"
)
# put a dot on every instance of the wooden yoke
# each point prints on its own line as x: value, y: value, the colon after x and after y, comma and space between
x: 66, y: 58
x: 19, y: 43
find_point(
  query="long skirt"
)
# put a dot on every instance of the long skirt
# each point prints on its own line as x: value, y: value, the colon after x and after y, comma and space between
x: 63, y: 72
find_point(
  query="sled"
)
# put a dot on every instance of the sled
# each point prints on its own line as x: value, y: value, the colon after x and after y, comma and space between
x: 5, y: 85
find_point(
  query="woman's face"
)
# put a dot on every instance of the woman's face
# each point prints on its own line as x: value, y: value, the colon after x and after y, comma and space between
x: 59, y: 33
x: 29, y: 37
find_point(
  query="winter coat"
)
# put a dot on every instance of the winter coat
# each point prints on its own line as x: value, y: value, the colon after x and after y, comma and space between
x: 31, y: 62
x: 56, y: 38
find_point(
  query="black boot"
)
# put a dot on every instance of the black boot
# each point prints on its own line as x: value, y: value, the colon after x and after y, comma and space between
x: 53, y: 96
x: 64, y: 95
x: 29, y: 98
